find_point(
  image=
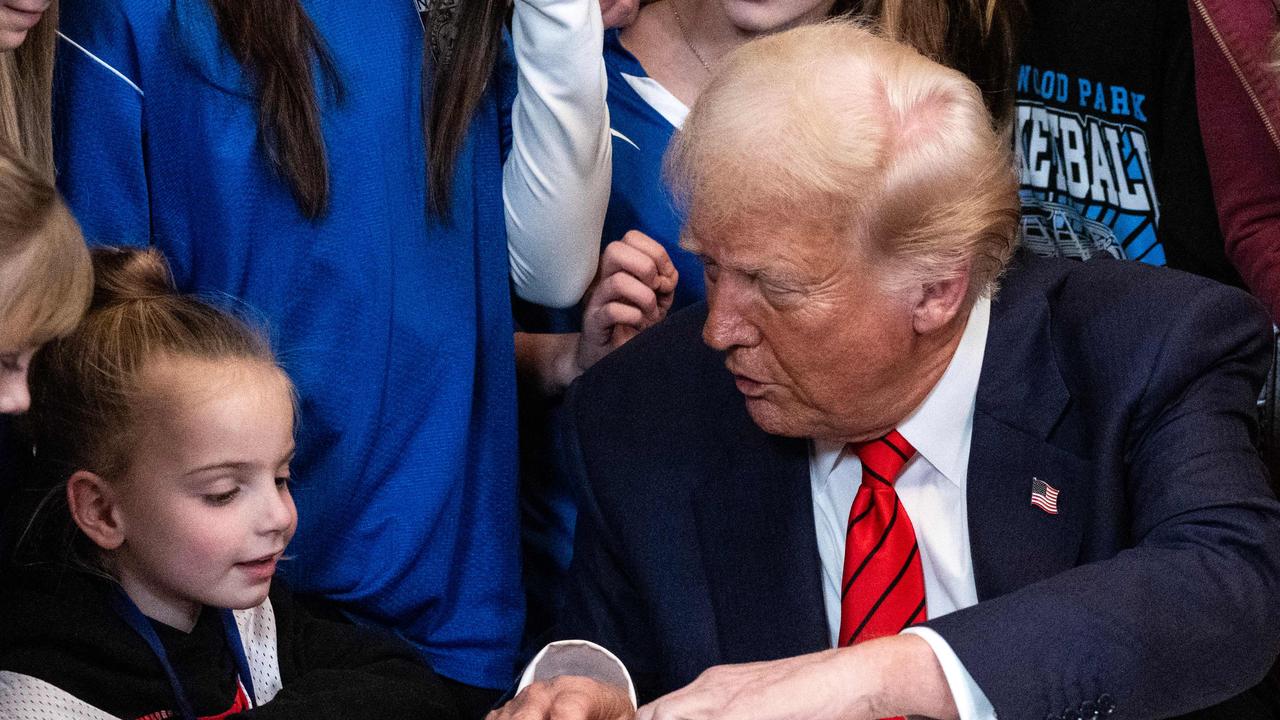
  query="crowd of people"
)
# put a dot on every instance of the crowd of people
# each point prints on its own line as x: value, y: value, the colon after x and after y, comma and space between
x: 590, y: 359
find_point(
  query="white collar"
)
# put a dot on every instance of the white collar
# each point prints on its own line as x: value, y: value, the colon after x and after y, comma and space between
x: 941, y: 427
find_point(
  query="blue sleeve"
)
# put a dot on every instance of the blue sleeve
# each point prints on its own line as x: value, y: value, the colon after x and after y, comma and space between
x: 99, y: 129
x: 505, y: 75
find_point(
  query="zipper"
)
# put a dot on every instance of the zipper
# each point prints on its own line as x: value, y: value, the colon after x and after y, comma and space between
x: 1235, y: 67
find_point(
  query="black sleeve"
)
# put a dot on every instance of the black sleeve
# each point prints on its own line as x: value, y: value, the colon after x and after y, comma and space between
x: 602, y: 604
x: 1188, y: 616
x: 336, y: 671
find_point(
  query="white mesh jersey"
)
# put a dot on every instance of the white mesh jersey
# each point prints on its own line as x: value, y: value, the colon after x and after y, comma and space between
x: 23, y: 697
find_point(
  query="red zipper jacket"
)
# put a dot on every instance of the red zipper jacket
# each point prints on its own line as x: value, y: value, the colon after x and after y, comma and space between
x: 1238, y: 99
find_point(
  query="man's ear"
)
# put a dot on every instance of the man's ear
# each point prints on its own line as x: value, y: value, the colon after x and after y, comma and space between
x: 94, y: 508
x: 940, y: 302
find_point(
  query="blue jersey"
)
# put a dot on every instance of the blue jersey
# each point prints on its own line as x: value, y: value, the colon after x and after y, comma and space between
x: 395, y: 328
x: 640, y: 199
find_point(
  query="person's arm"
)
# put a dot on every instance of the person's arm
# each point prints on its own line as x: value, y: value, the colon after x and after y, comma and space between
x: 556, y: 179
x: 337, y: 671
x: 1189, y: 615
x: 635, y: 289
x: 1243, y: 157
x: 98, y: 124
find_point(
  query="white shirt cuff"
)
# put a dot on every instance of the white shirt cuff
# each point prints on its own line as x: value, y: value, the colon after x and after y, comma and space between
x: 971, y: 702
x: 580, y: 657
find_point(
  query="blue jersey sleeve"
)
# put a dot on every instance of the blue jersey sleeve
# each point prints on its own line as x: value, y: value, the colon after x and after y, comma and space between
x: 99, y: 128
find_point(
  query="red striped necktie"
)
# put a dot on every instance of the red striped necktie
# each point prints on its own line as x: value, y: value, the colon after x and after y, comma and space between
x: 883, y: 584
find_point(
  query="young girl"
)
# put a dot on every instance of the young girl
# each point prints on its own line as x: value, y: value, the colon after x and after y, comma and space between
x: 168, y: 428
x: 45, y: 277
x: 274, y: 151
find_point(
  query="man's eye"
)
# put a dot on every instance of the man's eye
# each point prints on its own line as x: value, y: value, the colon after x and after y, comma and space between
x: 10, y: 363
x: 283, y: 481
x: 222, y: 498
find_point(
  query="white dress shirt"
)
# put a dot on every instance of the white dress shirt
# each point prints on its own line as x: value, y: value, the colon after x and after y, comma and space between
x: 932, y: 489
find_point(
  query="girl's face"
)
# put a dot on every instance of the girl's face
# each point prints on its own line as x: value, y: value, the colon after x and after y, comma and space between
x: 767, y: 16
x: 17, y: 17
x: 204, y: 508
x: 14, y: 397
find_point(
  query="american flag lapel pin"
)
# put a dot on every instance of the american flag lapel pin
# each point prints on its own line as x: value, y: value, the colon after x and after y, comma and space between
x: 1044, y: 496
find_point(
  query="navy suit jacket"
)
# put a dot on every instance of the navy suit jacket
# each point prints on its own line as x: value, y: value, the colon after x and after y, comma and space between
x: 1154, y: 591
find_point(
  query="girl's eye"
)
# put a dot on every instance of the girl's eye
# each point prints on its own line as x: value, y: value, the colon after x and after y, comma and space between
x: 10, y: 363
x: 222, y: 498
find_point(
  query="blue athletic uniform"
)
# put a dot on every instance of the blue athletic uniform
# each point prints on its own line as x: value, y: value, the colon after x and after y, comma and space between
x: 396, y: 328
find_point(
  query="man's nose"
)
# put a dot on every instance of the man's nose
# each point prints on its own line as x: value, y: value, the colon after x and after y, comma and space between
x: 727, y: 326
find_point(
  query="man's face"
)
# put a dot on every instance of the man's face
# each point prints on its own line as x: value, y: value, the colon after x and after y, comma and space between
x: 816, y: 345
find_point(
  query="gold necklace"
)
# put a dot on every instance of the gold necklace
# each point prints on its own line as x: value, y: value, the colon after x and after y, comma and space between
x: 684, y: 33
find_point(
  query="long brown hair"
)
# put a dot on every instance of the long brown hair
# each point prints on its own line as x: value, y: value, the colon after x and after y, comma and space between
x: 277, y: 44
x: 977, y: 37
x: 26, y: 91
x: 456, y: 86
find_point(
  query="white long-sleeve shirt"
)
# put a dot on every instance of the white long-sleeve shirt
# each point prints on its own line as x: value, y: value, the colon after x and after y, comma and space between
x: 556, y: 180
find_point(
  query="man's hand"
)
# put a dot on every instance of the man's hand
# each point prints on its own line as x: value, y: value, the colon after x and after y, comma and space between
x: 619, y: 13
x: 633, y: 291
x: 567, y: 697
x: 891, y: 676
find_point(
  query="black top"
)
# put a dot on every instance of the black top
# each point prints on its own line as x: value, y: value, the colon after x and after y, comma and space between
x: 59, y: 627
x: 1111, y: 155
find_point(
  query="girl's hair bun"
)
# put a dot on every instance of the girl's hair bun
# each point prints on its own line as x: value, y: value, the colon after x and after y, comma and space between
x: 124, y: 275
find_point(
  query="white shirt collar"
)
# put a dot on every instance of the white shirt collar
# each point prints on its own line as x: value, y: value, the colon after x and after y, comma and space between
x: 941, y: 428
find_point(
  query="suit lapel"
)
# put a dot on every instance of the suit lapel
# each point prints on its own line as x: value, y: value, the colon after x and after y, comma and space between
x: 1021, y: 398
x: 759, y: 550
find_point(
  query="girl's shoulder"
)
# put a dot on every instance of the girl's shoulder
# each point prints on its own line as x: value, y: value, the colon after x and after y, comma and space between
x: 23, y: 697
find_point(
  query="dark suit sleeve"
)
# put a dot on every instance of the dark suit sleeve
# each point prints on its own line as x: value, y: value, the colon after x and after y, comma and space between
x: 1188, y: 615
x: 601, y: 603
x: 336, y: 671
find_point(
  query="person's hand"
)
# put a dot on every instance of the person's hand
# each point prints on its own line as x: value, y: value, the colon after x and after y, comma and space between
x: 567, y: 697
x: 817, y: 686
x: 897, y: 675
x: 633, y: 291
x: 619, y: 13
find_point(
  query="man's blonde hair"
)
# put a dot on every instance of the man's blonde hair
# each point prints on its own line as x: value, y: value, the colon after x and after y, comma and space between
x: 830, y: 126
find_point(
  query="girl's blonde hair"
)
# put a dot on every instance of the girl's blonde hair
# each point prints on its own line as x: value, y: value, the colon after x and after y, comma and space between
x: 45, y: 276
x: 26, y: 93
x: 86, y: 387
x: 88, y: 393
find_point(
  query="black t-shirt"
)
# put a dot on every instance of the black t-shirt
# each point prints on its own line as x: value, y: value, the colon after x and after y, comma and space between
x: 1109, y: 142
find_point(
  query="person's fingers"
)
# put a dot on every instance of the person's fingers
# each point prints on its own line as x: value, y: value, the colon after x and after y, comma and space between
x: 626, y: 288
x: 622, y: 256
x: 652, y: 248
x: 530, y: 704
x: 616, y: 313
x: 646, y: 712
x: 622, y: 335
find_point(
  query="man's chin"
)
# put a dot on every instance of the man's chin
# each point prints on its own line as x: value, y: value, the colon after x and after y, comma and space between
x: 772, y: 419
